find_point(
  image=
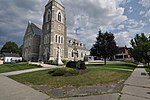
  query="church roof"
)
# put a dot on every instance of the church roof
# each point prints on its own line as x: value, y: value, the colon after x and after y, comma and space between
x: 36, y: 30
x: 59, y: 1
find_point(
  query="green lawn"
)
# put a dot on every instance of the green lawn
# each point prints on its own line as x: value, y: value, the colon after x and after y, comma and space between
x: 119, y: 65
x: 147, y: 69
x: 15, y: 67
x: 93, y: 76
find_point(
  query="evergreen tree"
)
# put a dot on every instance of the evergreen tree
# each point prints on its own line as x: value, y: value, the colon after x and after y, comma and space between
x: 140, y: 47
x: 105, y: 46
x: 10, y: 47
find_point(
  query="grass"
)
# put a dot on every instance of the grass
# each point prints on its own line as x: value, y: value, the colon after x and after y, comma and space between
x: 92, y: 76
x: 147, y: 69
x: 119, y: 65
x: 15, y: 67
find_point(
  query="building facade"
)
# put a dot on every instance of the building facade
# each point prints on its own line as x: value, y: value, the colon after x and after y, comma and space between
x: 31, y: 43
x: 52, y: 36
x: 123, y: 54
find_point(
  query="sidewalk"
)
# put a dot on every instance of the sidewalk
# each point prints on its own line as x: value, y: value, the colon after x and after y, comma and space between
x: 12, y: 90
x: 137, y: 86
x: 45, y: 67
x: 113, y: 96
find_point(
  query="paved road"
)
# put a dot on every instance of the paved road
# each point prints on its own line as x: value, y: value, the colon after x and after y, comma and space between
x: 137, y: 86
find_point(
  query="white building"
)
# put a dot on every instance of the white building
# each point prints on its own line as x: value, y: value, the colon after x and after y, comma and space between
x: 11, y: 58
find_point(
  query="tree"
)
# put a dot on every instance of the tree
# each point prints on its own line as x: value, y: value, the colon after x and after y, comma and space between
x: 140, y: 47
x: 105, y: 46
x: 10, y: 47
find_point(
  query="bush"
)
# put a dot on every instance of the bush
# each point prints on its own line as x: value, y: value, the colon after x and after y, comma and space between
x: 51, y: 62
x: 78, y: 65
x: 64, y: 61
x: 63, y: 72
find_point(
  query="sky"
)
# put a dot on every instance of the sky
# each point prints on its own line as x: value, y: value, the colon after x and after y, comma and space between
x: 124, y: 18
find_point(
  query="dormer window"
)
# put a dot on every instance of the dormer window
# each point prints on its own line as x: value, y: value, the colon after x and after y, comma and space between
x: 69, y: 41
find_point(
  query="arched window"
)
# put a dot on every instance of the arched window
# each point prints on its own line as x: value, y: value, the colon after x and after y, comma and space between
x: 72, y: 53
x: 77, y: 54
x: 81, y: 55
x: 62, y: 39
x: 59, y: 40
x: 48, y: 15
x: 59, y: 16
x: 47, y: 38
x: 56, y: 39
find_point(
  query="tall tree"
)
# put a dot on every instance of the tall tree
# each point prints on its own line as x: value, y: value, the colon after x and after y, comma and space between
x: 105, y: 46
x: 10, y: 47
x: 140, y: 47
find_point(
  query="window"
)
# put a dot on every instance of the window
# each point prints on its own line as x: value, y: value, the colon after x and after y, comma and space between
x: 72, y: 53
x: 48, y: 15
x: 77, y: 54
x: 69, y: 41
x: 59, y: 40
x: 81, y: 55
x: 47, y: 38
x: 44, y: 39
x: 59, y: 16
x: 47, y: 26
x: 56, y: 39
x: 62, y: 39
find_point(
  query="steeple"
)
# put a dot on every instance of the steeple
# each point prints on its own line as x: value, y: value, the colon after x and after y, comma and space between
x: 58, y: 1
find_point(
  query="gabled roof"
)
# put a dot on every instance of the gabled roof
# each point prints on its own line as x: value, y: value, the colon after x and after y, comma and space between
x: 36, y: 30
x: 10, y: 55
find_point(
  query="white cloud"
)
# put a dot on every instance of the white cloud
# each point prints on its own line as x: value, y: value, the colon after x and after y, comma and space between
x: 123, y: 38
x: 142, y: 12
x: 147, y: 14
x: 86, y: 17
x: 120, y: 27
x: 145, y: 3
x: 130, y: 10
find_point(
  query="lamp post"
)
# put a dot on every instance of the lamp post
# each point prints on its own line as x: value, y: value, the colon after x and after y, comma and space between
x: 148, y: 53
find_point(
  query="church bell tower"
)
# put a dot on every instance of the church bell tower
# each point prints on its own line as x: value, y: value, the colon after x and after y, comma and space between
x: 54, y: 33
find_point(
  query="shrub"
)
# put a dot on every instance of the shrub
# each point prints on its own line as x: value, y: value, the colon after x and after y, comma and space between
x: 52, y: 62
x: 64, y: 61
x: 78, y: 65
x: 63, y: 72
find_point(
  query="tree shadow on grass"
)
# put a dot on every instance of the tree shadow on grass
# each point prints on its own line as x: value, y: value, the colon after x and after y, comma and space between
x: 90, y: 65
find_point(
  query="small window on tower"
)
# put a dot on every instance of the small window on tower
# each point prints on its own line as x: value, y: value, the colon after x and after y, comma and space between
x: 47, y: 26
x: 59, y: 16
x: 62, y: 40
x: 59, y: 40
x: 49, y: 15
x: 56, y: 39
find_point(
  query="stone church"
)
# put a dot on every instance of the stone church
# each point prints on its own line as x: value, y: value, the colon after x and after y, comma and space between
x: 42, y: 44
